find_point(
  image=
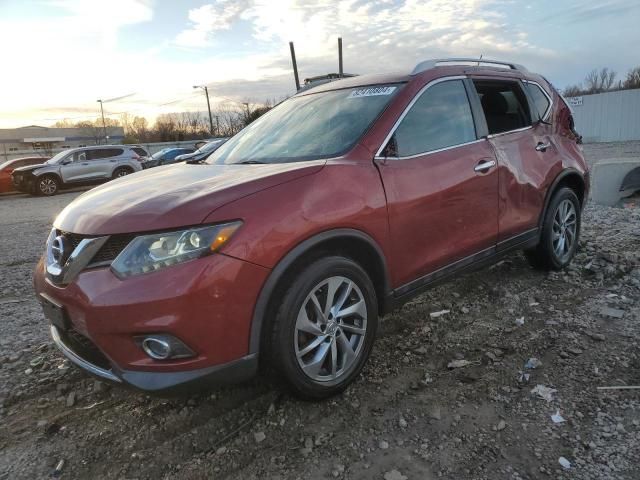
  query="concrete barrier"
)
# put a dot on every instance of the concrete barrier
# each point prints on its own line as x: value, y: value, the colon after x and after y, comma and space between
x: 606, y: 179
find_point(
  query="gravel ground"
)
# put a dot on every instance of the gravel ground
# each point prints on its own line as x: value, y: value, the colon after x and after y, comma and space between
x: 409, y: 416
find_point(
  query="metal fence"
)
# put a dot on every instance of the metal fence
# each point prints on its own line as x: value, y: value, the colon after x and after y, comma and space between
x: 607, y: 117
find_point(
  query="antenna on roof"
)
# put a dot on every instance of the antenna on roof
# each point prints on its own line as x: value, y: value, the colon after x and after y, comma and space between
x: 295, y: 65
x: 480, y: 59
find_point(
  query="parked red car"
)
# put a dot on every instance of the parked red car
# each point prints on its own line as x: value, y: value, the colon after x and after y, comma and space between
x: 6, y: 168
x: 285, y: 246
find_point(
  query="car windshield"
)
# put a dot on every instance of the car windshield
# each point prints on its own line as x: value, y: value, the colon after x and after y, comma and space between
x: 57, y: 158
x: 308, y: 127
x: 159, y: 154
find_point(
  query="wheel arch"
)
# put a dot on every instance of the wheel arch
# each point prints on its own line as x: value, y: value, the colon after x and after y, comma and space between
x: 570, y: 178
x: 352, y: 243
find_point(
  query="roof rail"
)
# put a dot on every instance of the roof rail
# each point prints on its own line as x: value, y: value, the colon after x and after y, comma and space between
x: 471, y: 62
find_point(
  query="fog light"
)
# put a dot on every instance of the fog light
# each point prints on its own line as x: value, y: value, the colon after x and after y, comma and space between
x: 164, y: 347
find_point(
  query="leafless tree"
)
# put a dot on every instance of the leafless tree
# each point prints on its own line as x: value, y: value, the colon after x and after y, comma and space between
x: 633, y: 79
x: 573, y: 91
x: 598, y: 81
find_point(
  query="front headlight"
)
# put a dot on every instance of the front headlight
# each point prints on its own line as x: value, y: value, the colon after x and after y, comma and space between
x: 148, y: 253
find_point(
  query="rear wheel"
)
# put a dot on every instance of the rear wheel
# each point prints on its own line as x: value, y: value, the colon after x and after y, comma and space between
x: 47, y: 185
x: 121, y: 172
x: 560, y: 232
x: 325, y: 327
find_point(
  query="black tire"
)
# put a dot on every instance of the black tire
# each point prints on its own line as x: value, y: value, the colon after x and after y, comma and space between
x: 546, y: 255
x: 121, y: 172
x: 47, y: 185
x: 285, y: 339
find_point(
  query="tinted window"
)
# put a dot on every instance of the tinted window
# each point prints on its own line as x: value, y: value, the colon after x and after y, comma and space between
x: 140, y: 151
x: 440, y: 118
x: 540, y: 100
x: 504, y: 104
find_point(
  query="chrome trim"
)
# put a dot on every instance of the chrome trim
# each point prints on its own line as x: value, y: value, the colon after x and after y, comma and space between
x: 77, y: 261
x: 79, y: 361
x: 542, y: 147
x: 430, y: 152
x: 406, y: 110
x: 493, y: 135
x: 544, y: 91
x: 484, y: 166
x: 468, y: 62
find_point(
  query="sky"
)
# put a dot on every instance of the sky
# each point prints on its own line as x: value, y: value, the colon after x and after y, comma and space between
x: 144, y: 56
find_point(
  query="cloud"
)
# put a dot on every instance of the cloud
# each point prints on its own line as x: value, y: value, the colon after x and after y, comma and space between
x: 208, y: 19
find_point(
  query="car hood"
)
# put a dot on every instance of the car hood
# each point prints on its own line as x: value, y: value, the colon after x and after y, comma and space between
x: 30, y: 168
x: 172, y: 196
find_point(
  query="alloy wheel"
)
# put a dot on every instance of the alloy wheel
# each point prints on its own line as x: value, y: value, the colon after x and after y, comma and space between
x: 122, y: 173
x: 330, y: 329
x: 48, y: 186
x: 564, y: 229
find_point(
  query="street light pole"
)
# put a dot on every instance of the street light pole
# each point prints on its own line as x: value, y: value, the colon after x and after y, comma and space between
x: 206, y: 92
x: 104, y: 127
x: 247, y: 105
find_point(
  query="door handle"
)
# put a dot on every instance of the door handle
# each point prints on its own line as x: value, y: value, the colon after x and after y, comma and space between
x: 485, y: 165
x: 542, y: 147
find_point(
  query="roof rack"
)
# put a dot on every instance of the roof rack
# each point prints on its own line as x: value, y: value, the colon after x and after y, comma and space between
x: 471, y: 62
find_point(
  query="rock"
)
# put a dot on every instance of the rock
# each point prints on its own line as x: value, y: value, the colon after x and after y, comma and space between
x: 501, y: 425
x: 71, y: 399
x: 58, y: 470
x: 611, y: 312
x: 259, y: 436
x: 338, y: 470
x: 458, y: 364
x: 574, y: 351
x: 435, y: 413
x: 563, y: 354
x: 520, y: 321
x: 98, y: 387
x: 383, y: 445
x: 566, y: 464
x: 402, y: 423
x: 394, y: 475
x: 598, y: 337
x: 221, y: 451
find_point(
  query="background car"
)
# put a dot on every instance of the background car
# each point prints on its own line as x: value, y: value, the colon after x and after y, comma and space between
x: 165, y: 156
x: 6, y: 168
x: 203, y: 152
x: 77, y: 166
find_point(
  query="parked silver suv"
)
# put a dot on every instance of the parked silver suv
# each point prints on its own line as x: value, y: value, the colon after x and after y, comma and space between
x: 77, y: 166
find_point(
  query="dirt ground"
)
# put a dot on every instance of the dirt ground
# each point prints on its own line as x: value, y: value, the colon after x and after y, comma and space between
x: 408, y: 416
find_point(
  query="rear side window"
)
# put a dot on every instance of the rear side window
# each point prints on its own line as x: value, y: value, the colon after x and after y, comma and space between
x: 140, y: 151
x: 440, y: 118
x: 504, y: 104
x: 541, y: 101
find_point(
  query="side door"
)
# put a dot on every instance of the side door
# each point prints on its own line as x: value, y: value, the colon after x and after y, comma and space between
x: 518, y: 146
x: 107, y: 161
x: 441, y: 184
x: 74, y: 167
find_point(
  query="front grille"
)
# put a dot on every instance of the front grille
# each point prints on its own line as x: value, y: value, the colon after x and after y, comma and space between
x: 85, y: 348
x: 109, y: 251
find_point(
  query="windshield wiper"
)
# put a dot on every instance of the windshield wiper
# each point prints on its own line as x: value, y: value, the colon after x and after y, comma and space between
x: 249, y: 162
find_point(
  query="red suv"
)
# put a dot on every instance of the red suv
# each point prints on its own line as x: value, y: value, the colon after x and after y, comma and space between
x: 285, y: 246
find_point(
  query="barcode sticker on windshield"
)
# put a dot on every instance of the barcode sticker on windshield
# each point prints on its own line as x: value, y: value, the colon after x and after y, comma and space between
x: 371, y: 92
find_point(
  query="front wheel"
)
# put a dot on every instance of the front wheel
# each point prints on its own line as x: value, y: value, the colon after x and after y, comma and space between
x: 325, y: 327
x: 560, y: 232
x: 121, y: 172
x: 48, y: 185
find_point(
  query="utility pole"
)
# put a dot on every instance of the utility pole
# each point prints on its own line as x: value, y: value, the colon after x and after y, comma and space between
x: 340, y: 72
x: 104, y: 127
x: 247, y: 105
x: 295, y: 65
x: 206, y: 92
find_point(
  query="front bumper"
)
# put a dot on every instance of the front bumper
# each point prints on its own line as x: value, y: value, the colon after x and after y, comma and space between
x: 163, y: 383
x: 206, y: 303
